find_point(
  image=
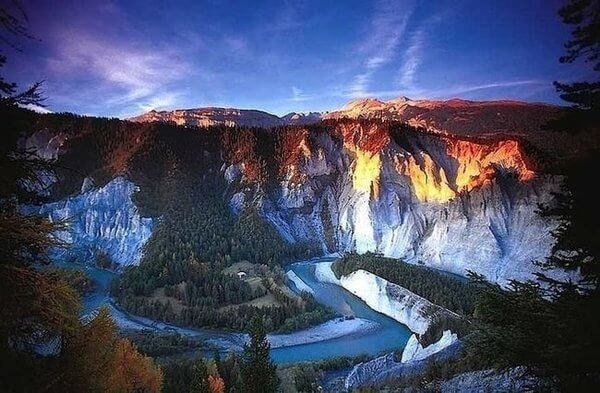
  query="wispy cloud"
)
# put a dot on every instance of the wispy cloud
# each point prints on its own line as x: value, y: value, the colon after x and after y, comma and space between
x: 413, y: 56
x: 455, y: 91
x: 298, y: 95
x: 412, y: 59
x: 385, y: 31
x: 128, y: 75
x: 487, y: 86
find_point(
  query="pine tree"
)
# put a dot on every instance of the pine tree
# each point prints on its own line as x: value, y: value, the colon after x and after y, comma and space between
x: 232, y: 374
x: 258, y: 371
x: 550, y: 326
x: 200, y: 379
x: 584, y: 43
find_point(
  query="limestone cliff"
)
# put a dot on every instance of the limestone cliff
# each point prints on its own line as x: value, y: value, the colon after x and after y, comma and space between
x: 449, y: 203
x: 102, y: 220
x: 396, y: 302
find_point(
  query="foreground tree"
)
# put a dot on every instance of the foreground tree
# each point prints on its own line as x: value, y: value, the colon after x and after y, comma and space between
x: 44, y: 346
x: 131, y: 371
x: 584, y: 44
x: 550, y: 325
x: 200, y: 378
x: 258, y: 371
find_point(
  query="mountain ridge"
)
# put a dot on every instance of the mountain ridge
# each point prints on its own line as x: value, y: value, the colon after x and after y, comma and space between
x: 453, y: 116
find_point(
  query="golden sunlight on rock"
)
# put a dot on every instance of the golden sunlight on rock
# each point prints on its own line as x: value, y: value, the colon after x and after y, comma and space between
x: 476, y: 166
x: 366, y: 172
x: 476, y: 162
x: 429, y: 183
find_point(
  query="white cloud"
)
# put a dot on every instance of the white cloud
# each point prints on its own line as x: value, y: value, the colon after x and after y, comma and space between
x: 413, y: 56
x: 450, y: 92
x: 412, y: 59
x: 382, y: 39
x: 298, y: 95
x: 36, y: 108
x: 127, y: 75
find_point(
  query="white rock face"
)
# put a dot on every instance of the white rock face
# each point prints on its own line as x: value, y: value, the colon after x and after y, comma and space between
x: 421, y: 211
x: 103, y: 219
x: 414, y: 350
x: 363, y: 373
x: 45, y: 143
x: 392, y: 300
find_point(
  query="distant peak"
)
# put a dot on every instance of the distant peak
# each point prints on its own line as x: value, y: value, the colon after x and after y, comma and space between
x: 400, y: 99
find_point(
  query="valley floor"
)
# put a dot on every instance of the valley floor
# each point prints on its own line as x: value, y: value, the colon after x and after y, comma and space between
x: 367, y: 331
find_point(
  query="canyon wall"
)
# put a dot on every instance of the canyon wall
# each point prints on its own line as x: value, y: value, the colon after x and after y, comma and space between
x: 448, y: 203
x: 414, y: 311
x: 100, y: 220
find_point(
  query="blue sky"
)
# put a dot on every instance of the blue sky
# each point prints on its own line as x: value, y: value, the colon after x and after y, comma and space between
x: 121, y: 58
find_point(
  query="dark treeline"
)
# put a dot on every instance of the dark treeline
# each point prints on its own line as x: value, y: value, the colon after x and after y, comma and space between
x: 250, y: 372
x: 77, y: 279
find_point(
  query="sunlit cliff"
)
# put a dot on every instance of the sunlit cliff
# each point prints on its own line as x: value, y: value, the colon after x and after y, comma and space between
x: 449, y: 202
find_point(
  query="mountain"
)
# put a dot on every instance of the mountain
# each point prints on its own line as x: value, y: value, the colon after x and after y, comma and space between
x: 299, y: 118
x: 455, y: 116
x: 212, y: 116
x: 359, y: 182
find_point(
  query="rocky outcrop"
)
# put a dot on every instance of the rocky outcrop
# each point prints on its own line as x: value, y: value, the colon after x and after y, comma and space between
x: 448, y: 203
x: 383, y: 369
x: 414, y: 351
x: 45, y: 144
x: 408, y: 308
x: 100, y: 220
x: 490, y: 381
x: 364, y: 373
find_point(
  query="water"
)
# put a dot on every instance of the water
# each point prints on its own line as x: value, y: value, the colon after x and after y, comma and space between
x: 388, y: 336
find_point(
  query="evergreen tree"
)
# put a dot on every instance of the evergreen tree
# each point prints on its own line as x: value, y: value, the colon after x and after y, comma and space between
x: 200, y: 379
x: 550, y: 326
x: 232, y: 374
x: 258, y: 372
x: 39, y: 311
x: 584, y: 43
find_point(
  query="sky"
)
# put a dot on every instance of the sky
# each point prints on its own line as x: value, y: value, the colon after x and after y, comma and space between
x: 123, y: 58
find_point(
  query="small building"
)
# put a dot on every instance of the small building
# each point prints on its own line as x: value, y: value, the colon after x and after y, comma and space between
x: 241, y: 275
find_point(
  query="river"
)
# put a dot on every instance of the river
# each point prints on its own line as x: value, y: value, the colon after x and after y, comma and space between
x: 387, y: 335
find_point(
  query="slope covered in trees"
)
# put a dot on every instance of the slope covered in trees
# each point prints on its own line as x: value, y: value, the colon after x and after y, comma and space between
x: 40, y: 308
x: 197, y: 236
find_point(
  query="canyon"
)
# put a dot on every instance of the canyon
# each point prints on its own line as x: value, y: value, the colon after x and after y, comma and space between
x: 389, y: 178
